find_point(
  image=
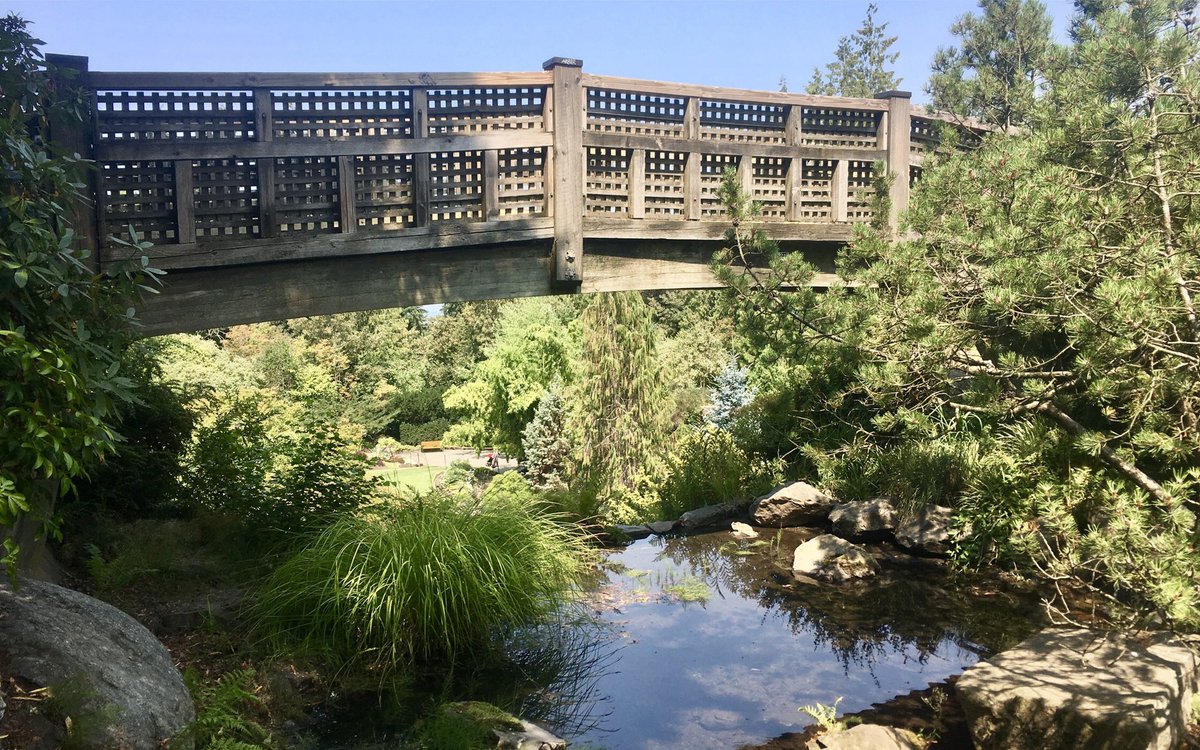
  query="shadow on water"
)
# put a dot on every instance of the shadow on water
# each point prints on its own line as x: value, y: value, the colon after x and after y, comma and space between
x: 709, y: 642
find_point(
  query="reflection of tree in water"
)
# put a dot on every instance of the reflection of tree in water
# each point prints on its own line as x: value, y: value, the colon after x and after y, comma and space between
x: 917, y: 606
x: 552, y: 673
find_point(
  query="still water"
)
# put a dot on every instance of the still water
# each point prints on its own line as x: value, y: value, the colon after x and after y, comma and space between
x: 708, y: 642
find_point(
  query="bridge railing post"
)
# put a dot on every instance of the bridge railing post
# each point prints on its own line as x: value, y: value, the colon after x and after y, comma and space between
x: 896, y: 137
x: 79, y: 138
x: 570, y: 119
x: 793, y: 134
x: 422, y: 180
x: 692, y: 167
x: 264, y: 132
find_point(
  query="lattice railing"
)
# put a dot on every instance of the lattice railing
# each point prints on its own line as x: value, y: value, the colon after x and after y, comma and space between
x: 225, y: 161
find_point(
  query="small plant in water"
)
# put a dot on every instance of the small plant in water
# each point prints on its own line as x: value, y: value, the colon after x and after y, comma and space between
x: 688, y: 589
x: 825, y: 716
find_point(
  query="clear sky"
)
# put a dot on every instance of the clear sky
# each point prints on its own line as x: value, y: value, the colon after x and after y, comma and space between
x: 744, y: 44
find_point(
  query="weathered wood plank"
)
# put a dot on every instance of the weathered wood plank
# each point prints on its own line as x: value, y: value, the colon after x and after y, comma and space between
x: 491, y: 185
x: 194, y: 81
x: 569, y: 177
x: 899, y: 137
x: 596, y: 228
x: 358, y: 146
x: 745, y: 172
x: 185, y: 204
x: 77, y: 137
x: 637, y: 184
x: 348, y: 215
x: 728, y: 148
x: 781, y: 98
x: 795, y: 174
x: 218, y: 254
x: 793, y: 128
x: 422, y: 179
x: 839, y: 191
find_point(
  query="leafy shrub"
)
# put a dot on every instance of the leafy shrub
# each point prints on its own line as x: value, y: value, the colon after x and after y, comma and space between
x: 273, y: 483
x: 435, y: 578
x: 709, y: 467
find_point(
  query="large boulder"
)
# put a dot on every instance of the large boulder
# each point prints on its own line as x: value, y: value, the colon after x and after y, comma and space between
x: 709, y: 515
x: 868, y: 737
x: 1080, y: 688
x: 831, y: 558
x: 796, y: 504
x: 929, y: 531
x: 121, y: 676
x: 866, y: 520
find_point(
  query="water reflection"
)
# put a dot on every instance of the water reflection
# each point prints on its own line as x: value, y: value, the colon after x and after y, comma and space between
x: 734, y: 668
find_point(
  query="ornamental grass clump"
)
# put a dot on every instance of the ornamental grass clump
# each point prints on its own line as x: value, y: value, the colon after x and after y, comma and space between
x: 426, y: 580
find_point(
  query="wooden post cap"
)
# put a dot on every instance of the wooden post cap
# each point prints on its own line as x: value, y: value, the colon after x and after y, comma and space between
x: 894, y: 95
x: 565, y: 62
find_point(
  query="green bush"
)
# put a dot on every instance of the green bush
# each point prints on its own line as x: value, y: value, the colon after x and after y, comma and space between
x: 709, y: 467
x: 419, y: 581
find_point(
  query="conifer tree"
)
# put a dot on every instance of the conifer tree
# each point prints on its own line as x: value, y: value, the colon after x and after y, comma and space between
x: 998, y: 69
x: 730, y: 392
x: 546, y: 443
x: 862, y: 63
x: 622, y: 404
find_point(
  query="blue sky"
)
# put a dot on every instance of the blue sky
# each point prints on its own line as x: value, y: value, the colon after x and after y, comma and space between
x: 747, y: 44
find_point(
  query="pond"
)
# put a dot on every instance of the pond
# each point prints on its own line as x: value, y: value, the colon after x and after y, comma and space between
x: 715, y: 645
x: 708, y: 642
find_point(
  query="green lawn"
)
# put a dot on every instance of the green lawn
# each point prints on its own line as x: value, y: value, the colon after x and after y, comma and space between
x: 419, y: 478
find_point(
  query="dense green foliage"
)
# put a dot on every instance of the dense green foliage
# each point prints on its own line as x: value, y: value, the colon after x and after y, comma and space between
x: 422, y: 580
x: 861, y: 63
x: 999, y: 68
x: 62, y: 327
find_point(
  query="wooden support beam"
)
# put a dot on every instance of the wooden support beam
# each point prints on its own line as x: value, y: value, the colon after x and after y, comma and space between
x: 839, y: 192
x: 691, y: 186
x: 899, y: 137
x: 422, y: 181
x: 691, y: 119
x: 548, y: 159
x: 348, y: 220
x: 75, y: 137
x: 491, y: 185
x: 185, y: 202
x: 569, y: 121
x: 264, y: 132
x: 637, y: 184
x: 793, y: 127
x: 745, y: 173
x: 795, y: 174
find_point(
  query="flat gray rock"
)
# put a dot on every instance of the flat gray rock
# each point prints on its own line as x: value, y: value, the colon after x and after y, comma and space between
x: 796, y: 504
x: 929, y: 531
x: 633, y: 532
x: 55, y: 636
x: 661, y: 527
x: 743, y: 530
x: 1063, y: 689
x: 709, y: 515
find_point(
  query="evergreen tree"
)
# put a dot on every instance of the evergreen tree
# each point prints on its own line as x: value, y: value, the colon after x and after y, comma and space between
x: 622, y: 407
x: 546, y: 443
x: 861, y: 66
x: 730, y: 392
x: 998, y: 69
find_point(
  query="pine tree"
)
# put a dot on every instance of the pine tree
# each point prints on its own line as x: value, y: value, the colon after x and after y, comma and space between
x: 861, y: 63
x: 998, y: 69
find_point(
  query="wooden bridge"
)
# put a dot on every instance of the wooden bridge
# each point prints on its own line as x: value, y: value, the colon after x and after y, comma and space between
x: 270, y: 196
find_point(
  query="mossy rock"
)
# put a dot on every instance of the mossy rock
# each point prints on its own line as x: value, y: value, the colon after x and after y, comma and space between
x: 469, y: 725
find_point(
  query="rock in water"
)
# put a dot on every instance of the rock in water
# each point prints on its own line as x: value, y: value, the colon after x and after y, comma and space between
x: 868, y: 737
x: 796, y: 504
x: 1079, y: 688
x: 121, y: 673
x: 867, y: 520
x: 743, y: 530
x: 833, y: 559
x: 709, y: 515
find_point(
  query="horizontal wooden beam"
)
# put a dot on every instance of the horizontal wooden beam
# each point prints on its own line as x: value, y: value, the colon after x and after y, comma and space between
x: 718, y: 93
x: 216, y: 297
x: 729, y: 148
x: 599, y: 228
x: 125, y: 150
x: 441, y: 235
x: 199, y: 81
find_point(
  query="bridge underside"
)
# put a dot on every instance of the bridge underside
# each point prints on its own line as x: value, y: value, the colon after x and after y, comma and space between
x: 373, y: 278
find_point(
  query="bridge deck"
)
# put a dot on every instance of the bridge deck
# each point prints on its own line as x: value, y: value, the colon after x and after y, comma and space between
x: 274, y: 195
